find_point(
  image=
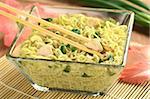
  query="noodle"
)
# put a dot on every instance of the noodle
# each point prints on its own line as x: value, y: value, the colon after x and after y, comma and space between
x: 107, y: 32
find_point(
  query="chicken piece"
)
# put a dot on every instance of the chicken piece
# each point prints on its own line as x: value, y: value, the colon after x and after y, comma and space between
x: 95, y: 45
x: 45, y: 50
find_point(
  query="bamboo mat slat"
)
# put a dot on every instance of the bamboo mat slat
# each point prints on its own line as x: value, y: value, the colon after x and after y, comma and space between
x: 13, y: 85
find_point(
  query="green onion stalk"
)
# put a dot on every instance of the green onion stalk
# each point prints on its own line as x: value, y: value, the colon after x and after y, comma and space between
x: 141, y: 10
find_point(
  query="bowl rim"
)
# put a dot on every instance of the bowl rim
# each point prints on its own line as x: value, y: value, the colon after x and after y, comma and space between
x: 89, y: 8
x: 129, y: 31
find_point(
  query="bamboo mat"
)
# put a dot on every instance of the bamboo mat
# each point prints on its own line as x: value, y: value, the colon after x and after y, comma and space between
x: 14, y: 85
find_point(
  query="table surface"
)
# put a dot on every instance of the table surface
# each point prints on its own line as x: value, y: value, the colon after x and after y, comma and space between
x: 138, y: 34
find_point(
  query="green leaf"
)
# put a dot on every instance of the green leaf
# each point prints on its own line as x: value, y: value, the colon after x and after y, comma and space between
x: 140, y: 3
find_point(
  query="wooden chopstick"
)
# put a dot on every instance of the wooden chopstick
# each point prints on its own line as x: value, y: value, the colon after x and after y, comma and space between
x: 53, y: 35
x: 56, y: 27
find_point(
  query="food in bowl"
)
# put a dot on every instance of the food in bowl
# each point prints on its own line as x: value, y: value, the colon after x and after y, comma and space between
x: 50, y: 63
x: 109, y: 39
x: 71, y: 68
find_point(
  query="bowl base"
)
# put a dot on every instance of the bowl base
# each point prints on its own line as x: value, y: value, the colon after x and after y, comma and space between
x: 45, y: 89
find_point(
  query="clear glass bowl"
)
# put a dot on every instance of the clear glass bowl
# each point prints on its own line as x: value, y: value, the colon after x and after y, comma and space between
x: 46, y: 75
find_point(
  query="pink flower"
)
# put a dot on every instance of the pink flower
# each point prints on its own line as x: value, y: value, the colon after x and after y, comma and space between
x: 138, y: 65
x: 7, y: 26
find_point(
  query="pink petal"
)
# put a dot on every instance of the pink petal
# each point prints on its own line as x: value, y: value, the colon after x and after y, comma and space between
x: 7, y: 26
x: 138, y: 52
x: 138, y: 65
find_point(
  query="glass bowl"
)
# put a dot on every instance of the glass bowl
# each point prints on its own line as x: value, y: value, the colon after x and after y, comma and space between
x: 46, y: 75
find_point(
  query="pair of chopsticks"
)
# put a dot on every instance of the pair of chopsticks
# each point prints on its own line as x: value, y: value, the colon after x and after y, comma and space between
x: 47, y: 32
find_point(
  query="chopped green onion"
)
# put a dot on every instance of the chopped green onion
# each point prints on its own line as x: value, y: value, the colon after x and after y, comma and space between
x: 48, y: 19
x: 85, y: 75
x: 76, y: 31
x: 71, y: 47
x: 100, y: 61
x: 96, y: 33
x: 49, y: 66
x: 67, y: 69
x: 111, y: 72
x: 63, y: 49
x: 111, y: 58
x: 68, y: 45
